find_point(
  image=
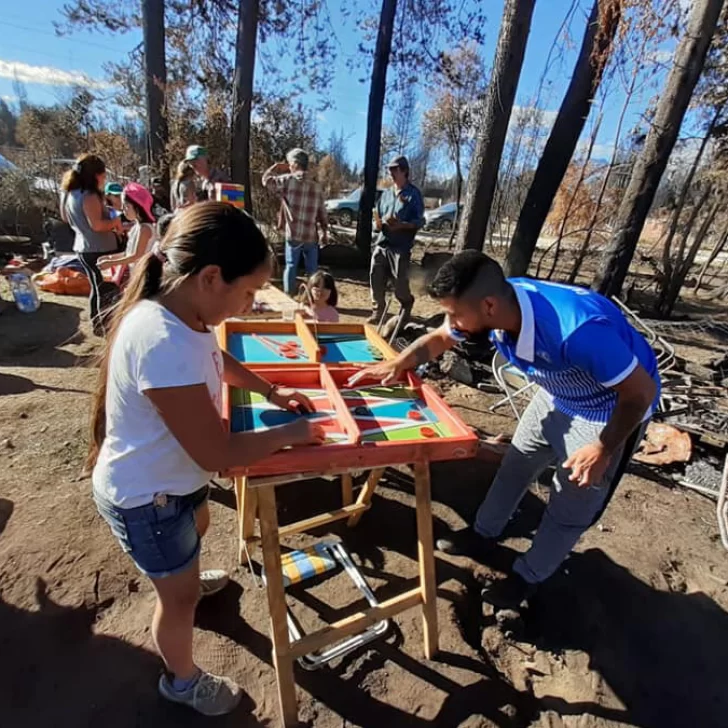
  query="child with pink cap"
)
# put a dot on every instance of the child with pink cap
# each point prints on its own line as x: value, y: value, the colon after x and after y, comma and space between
x: 137, y: 204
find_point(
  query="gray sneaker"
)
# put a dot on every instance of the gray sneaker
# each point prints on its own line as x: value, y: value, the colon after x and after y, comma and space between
x: 210, y: 695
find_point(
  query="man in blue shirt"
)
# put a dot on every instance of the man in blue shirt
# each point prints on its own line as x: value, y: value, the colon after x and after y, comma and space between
x: 598, y: 385
x: 398, y: 215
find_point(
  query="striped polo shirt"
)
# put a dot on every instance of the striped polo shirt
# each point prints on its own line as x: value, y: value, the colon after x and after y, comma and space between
x: 576, y: 345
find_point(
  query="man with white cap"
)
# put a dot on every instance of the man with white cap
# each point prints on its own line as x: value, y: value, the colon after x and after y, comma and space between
x: 303, y: 207
x: 196, y: 156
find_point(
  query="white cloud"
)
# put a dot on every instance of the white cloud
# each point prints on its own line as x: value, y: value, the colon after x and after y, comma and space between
x: 322, y: 118
x: 9, y: 99
x: 47, y: 75
x: 529, y: 117
x: 664, y: 57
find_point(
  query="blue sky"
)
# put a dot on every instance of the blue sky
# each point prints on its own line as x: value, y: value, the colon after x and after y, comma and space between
x: 48, y: 65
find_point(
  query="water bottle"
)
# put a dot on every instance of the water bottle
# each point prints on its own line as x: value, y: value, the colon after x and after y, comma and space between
x: 24, y: 292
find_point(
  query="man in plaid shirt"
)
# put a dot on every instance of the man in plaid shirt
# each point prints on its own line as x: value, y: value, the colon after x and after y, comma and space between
x: 303, y: 207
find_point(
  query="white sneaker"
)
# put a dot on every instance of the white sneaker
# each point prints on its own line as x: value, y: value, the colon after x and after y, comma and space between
x: 212, y: 581
x: 210, y: 695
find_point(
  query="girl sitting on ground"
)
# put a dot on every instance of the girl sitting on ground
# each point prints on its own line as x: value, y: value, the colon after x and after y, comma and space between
x: 321, y: 298
x: 137, y: 204
x: 157, y: 430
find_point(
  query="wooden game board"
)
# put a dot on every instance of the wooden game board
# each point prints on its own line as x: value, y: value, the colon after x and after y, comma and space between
x: 368, y: 425
x: 256, y: 343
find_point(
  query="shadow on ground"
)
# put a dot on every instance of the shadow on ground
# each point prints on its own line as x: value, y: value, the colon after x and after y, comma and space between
x: 34, y: 339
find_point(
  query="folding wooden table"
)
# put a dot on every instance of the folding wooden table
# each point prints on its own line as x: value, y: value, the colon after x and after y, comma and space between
x: 255, y: 489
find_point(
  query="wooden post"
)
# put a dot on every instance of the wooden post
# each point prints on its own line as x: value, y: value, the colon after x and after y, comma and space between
x: 365, y: 496
x: 347, y: 490
x: 426, y: 557
x: 282, y: 658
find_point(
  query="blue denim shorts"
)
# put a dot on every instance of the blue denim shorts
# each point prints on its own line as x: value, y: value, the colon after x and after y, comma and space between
x: 161, y: 537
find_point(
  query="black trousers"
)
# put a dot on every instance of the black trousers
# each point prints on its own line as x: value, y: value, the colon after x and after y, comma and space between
x: 103, y: 295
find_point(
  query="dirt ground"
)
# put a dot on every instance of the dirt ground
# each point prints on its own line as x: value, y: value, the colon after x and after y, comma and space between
x: 631, y: 632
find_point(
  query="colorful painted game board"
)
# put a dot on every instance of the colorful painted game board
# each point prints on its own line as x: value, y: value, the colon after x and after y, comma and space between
x: 251, y: 412
x: 302, y: 342
x: 383, y: 414
x: 392, y: 414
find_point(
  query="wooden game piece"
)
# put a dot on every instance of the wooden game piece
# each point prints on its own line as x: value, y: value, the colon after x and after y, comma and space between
x: 361, y: 410
x: 415, y: 414
x: 427, y: 432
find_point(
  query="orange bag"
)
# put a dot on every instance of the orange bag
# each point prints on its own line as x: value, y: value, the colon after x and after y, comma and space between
x: 64, y: 282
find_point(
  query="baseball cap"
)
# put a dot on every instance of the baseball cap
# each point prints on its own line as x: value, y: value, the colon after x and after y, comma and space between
x: 141, y: 195
x: 195, y: 152
x: 400, y: 162
x: 112, y: 188
x: 297, y: 156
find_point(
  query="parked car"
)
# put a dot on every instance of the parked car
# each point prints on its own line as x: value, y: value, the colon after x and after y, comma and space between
x: 443, y: 218
x: 346, y: 210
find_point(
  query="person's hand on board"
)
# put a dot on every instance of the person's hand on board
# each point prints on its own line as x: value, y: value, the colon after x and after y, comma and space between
x: 290, y: 399
x: 304, y: 432
x: 385, y: 372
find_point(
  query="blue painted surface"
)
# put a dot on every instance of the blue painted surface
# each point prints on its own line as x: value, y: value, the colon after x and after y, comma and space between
x: 339, y: 348
x: 342, y: 348
x: 248, y: 350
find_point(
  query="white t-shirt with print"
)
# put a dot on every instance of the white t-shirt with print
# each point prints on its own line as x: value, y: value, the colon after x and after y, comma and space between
x: 140, y: 456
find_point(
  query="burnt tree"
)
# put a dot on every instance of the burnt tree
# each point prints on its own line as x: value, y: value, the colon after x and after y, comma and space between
x: 593, y: 56
x: 650, y: 165
x: 243, y: 96
x: 496, y: 113
x: 375, y: 111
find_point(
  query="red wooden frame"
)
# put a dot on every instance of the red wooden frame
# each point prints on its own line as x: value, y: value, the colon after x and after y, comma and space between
x: 353, y: 454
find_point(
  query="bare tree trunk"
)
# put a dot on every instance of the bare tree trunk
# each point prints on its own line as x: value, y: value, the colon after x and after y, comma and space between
x: 681, y: 273
x: 572, y: 199
x: 677, y: 212
x: 493, y: 126
x: 458, y: 196
x: 377, y: 91
x: 651, y: 163
x: 717, y: 250
x: 155, y: 70
x: 593, y: 56
x: 670, y: 272
x: 243, y: 97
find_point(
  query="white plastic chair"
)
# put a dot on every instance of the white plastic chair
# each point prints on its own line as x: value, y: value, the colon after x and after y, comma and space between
x: 512, y: 381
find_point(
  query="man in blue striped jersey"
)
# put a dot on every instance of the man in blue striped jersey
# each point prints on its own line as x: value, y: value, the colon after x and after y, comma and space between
x: 597, y: 386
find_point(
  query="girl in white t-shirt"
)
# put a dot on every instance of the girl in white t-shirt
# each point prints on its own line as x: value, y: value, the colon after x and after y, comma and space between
x: 158, y: 435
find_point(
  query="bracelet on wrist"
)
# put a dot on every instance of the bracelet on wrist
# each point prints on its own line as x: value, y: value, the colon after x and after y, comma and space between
x: 271, y: 391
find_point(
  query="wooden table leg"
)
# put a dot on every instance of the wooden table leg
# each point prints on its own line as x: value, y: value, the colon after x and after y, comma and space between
x: 347, y: 490
x: 247, y: 499
x: 426, y: 557
x: 282, y: 660
x: 366, y: 493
